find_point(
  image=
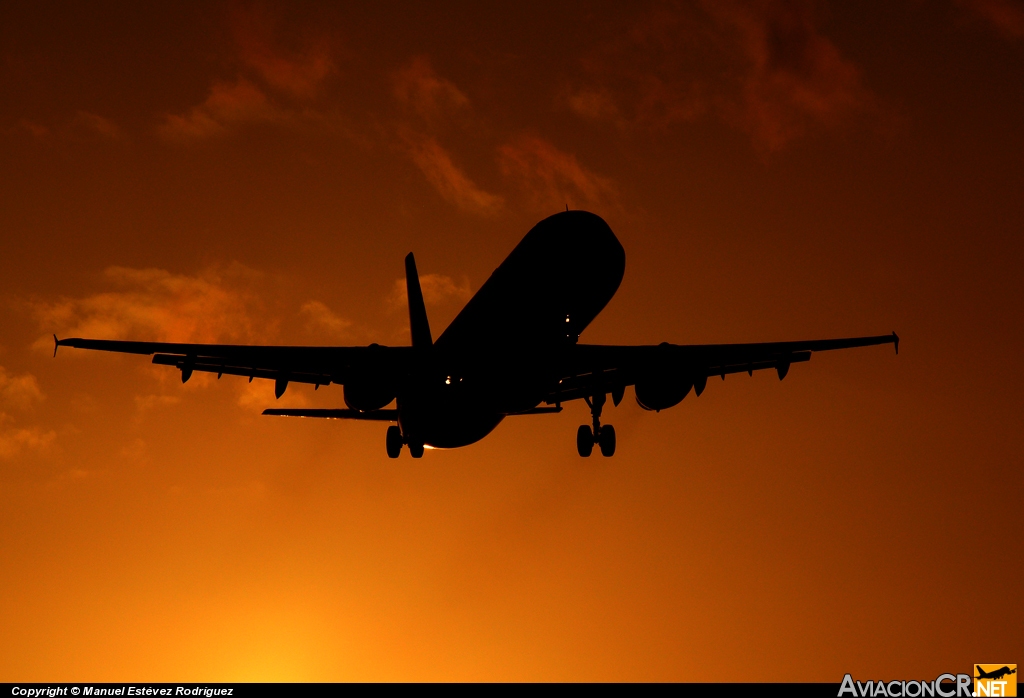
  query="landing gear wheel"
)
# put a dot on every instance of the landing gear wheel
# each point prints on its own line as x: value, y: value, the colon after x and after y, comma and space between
x: 607, y: 440
x: 416, y: 450
x: 393, y: 442
x: 584, y: 441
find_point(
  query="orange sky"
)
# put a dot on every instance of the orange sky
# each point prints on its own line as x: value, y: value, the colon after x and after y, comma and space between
x: 256, y: 173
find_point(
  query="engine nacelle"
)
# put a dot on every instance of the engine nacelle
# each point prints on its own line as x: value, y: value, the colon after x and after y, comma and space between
x: 660, y: 393
x: 663, y: 384
x: 367, y: 396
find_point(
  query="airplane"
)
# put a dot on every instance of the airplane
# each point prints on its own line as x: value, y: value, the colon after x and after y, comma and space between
x: 995, y: 675
x: 512, y: 350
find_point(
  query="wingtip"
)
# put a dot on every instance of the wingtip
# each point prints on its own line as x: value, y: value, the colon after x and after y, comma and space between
x: 896, y: 341
x: 56, y: 344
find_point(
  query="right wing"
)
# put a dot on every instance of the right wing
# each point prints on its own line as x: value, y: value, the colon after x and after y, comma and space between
x: 593, y: 367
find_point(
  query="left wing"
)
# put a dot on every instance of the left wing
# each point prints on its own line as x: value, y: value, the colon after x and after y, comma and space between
x: 282, y: 364
x: 591, y: 368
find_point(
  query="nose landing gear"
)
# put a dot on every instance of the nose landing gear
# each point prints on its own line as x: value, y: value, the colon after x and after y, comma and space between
x: 603, y: 436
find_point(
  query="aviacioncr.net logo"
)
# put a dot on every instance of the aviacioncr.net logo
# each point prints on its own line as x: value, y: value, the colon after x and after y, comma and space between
x: 945, y: 686
x: 995, y: 680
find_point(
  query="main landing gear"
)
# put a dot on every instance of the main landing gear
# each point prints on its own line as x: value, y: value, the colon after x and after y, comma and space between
x: 394, y: 443
x: 603, y: 436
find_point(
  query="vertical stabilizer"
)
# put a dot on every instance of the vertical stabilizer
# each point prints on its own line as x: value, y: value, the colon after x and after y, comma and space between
x: 418, y: 325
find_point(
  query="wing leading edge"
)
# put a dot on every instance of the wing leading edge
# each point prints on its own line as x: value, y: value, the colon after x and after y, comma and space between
x: 595, y: 367
x: 282, y: 364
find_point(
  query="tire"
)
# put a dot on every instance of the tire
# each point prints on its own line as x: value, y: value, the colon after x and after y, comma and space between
x: 607, y: 440
x: 416, y: 450
x: 393, y: 441
x: 584, y: 441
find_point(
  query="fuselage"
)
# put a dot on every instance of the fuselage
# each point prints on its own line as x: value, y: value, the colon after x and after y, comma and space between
x: 501, y: 354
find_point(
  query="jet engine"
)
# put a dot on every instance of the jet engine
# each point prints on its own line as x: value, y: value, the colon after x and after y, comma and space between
x: 368, y: 395
x: 664, y: 384
x: 661, y: 392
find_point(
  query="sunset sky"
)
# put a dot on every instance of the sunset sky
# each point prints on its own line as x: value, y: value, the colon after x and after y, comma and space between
x: 255, y: 173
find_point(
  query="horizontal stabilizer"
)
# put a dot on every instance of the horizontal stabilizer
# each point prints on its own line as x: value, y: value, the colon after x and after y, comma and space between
x: 376, y: 415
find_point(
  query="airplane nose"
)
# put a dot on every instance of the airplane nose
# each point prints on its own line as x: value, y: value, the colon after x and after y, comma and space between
x: 584, y: 233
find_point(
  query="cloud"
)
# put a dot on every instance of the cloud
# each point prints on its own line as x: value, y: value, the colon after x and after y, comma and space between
x: 164, y: 380
x: 418, y: 88
x: 298, y: 72
x: 83, y: 125
x: 34, y: 129
x: 1005, y: 16
x: 256, y: 396
x: 19, y: 392
x: 228, y: 104
x: 436, y: 288
x: 15, y: 441
x: 135, y: 451
x: 763, y: 67
x: 296, y: 75
x: 157, y: 305
x: 794, y: 76
x: 446, y: 177
x: 321, y: 320
x: 594, y: 103
x: 652, y: 74
x: 425, y: 98
x: 551, y: 178
x: 148, y: 403
x: 215, y: 305
x: 96, y: 125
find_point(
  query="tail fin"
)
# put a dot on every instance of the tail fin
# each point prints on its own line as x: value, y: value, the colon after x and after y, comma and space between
x: 418, y: 325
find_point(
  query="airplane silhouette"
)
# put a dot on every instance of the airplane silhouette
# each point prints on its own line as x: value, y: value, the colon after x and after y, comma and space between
x: 512, y: 350
x: 996, y: 674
